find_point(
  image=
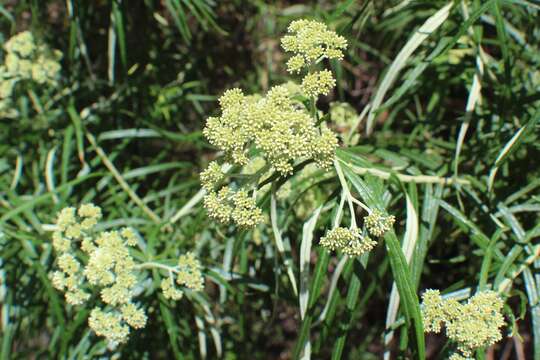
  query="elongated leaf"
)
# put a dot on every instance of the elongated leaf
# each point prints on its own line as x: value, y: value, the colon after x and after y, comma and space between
x: 511, y: 146
x: 352, y: 299
x: 287, y: 261
x: 431, y: 24
x: 481, y: 239
x: 408, y: 246
x: 532, y: 288
x: 473, y: 98
x: 305, y: 255
x: 430, y: 210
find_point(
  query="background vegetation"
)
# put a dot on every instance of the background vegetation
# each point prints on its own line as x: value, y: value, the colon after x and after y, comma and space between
x: 447, y: 140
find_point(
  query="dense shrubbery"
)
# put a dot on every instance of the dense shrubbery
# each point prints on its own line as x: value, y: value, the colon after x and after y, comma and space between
x: 371, y: 191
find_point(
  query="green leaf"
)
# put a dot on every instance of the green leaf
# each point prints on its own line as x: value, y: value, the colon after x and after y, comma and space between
x: 419, y: 36
x: 305, y: 257
x: 511, y: 146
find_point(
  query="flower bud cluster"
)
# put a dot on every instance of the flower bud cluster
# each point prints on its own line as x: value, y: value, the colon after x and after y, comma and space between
x: 274, y: 125
x: 188, y: 274
x: 227, y: 205
x: 457, y: 356
x: 378, y: 224
x: 211, y: 176
x: 88, y: 260
x: 318, y: 83
x: 25, y: 60
x: 472, y: 325
x: 276, y: 128
x: 350, y: 241
x: 342, y: 114
x: 311, y: 41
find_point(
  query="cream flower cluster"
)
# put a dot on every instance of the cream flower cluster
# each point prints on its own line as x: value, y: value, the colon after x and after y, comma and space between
x: 227, y: 205
x: 274, y: 125
x: 276, y: 128
x: 188, y: 274
x: 311, y: 41
x: 25, y: 60
x: 88, y: 260
x: 378, y: 224
x: 457, y: 356
x: 472, y: 325
x: 342, y: 114
x: 350, y: 241
x: 318, y: 83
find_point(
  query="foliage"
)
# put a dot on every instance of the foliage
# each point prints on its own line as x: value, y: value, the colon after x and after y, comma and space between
x: 435, y: 106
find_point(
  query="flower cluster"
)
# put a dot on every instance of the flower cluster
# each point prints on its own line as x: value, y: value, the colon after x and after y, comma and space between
x: 276, y: 128
x: 472, y: 325
x: 274, y: 125
x: 226, y: 205
x: 318, y: 83
x: 350, y: 241
x: 25, y: 60
x: 89, y: 260
x: 342, y: 114
x: 311, y: 41
x: 378, y: 224
x: 457, y: 356
x: 211, y: 176
x: 188, y: 274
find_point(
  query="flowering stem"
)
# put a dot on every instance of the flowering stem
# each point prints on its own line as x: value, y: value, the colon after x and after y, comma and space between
x: 347, y: 192
x: 254, y: 178
x: 152, y: 264
x: 35, y: 101
x: 313, y: 108
x: 282, y: 180
x: 361, y: 204
x: 339, y: 212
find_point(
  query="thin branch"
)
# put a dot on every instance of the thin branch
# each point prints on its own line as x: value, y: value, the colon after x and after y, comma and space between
x: 418, y: 179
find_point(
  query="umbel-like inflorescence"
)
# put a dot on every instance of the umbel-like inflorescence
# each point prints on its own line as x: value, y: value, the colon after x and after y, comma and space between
x: 378, y: 224
x: 318, y: 83
x: 472, y: 325
x: 277, y: 127
x: 188, y: 274
x: 310, y: 42
x: 26, y: 61
x: 274, y: 125
x: 90, y: 261
x: 237, y: 206
x: 350, y: 241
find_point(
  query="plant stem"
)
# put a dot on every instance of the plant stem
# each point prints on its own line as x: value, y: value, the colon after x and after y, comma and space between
x: 152, y: 264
